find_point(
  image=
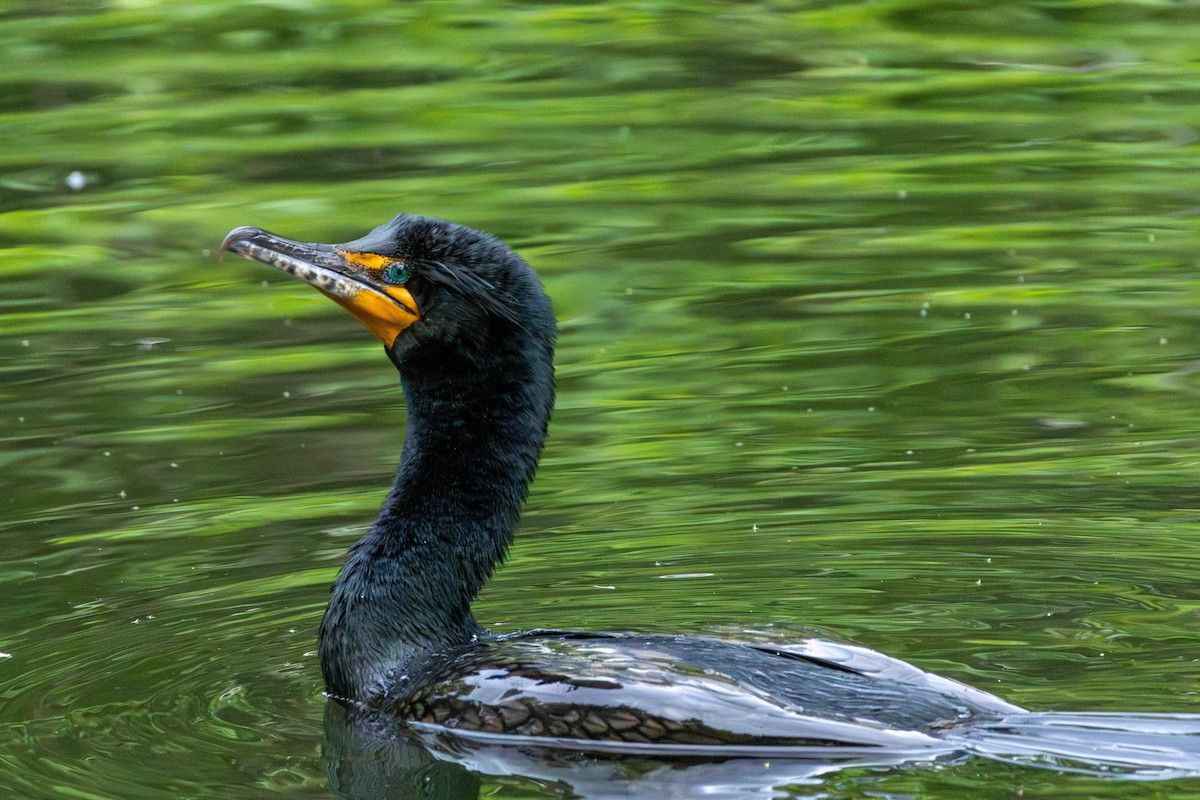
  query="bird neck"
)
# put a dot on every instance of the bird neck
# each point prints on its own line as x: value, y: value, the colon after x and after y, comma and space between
x: 474, y: 433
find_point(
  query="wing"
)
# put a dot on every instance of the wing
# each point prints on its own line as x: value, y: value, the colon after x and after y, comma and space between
x: 630, y: 690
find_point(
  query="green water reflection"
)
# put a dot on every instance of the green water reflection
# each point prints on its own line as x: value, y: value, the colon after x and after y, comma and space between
x: 879, y: 317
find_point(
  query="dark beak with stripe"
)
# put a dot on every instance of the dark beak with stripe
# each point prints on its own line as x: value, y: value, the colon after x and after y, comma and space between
x: 368, y: 285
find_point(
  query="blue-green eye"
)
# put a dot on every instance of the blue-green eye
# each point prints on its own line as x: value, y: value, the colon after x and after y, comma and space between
x: 396, y: 272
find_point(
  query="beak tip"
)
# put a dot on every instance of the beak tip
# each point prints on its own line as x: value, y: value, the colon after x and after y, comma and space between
x: 243, y: 233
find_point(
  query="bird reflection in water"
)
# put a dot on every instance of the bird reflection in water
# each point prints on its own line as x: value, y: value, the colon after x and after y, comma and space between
x: 369, y: 757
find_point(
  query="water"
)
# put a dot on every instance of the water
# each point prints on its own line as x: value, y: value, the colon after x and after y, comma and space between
x: 876, y: 317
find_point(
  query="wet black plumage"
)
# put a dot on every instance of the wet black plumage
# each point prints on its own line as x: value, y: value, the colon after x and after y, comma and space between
x: 478, y: 378
x: 472, y: 334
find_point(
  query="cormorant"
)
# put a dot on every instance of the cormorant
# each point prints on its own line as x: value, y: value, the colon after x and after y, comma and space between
x: 467, y: 324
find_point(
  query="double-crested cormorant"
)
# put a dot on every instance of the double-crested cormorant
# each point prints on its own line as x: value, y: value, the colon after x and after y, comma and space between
x: 466, y: 322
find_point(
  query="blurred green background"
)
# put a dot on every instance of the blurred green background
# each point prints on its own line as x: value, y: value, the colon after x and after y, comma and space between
x: 879, y: 317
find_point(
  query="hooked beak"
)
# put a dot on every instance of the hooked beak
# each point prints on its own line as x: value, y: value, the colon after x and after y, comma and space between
x: 353, y: 280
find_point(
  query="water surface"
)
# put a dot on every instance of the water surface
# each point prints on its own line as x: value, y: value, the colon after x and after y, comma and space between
x: 879, y: 318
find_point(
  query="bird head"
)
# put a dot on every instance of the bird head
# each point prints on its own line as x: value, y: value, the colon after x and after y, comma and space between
x: 414, y: 280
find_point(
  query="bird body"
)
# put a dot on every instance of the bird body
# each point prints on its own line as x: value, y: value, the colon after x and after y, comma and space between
x: 467, y: 324
x: 688, y: 691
